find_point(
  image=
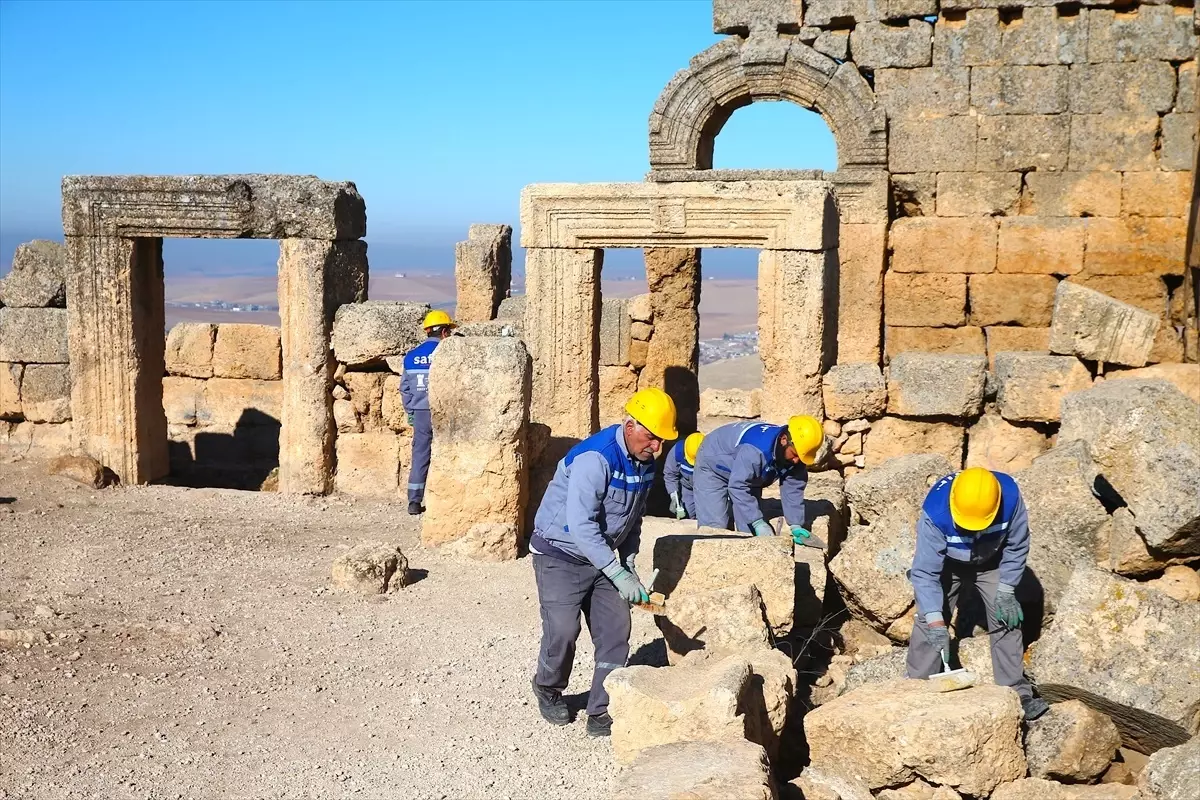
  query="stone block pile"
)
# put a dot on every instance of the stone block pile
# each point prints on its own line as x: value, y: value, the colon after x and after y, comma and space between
x: 626, y: 330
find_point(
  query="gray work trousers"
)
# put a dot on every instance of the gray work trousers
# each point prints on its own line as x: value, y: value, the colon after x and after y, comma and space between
x: 1008, y: 646
x: 564, y: 590
x: 422, y: 451
x: 714, y: 509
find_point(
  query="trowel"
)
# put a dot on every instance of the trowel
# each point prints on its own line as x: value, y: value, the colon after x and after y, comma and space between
x: 656, y: 605
x: 951, y: 680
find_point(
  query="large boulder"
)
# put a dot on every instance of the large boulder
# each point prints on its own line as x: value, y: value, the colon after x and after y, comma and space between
x: 1184, y: 377
x: 1172, y: 773
x: 1071, y: 742
x: 37, y: 277
x: 1030, y: 386
x: 872, y: 568
x: 718, y: 620
x: 1145, y: 436
x: 1042, y: 789
x: 902, y: 481
x: 883, y: 668
x: 895, y: 436
x: 1092, y: 325
x: 1122, y: 550
x: 365, y: 334
x: 892, y: 733
x: 936, y: 385
x: 1127, y: 651
x: 697, y: 771
x: 995, y: 443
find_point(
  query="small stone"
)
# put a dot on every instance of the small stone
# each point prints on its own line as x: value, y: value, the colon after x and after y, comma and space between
x: 370, y: 568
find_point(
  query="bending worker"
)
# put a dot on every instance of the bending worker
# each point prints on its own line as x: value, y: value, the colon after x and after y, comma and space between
x: 737, y: 460
x: 585, y: 538
x: 414, y: 393
x: 677, y: 475
x: 973, y: 529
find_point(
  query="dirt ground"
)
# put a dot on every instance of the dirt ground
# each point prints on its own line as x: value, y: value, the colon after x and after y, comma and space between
x: 196, y: 651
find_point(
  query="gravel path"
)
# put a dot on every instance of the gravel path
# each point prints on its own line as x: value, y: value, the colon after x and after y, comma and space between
x: 196, y: 651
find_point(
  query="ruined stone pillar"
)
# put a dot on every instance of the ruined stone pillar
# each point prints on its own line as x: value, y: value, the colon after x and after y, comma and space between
x: 673, y: 274
x: 791, y: 329
x: 482, y: 272
x: 315, y: 277
x: 477, y: 489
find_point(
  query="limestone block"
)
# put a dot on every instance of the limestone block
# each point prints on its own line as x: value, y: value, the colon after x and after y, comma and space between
x: 740, y: 403
x: 1042, y: 789
x: 1032, y: 386
x: 914, y: 195
x: 940, y: 144
x: 247, y: 351
x: 862, y: 251
x: 919, y: 790
x: 1135, y: 245
x: 231, y: 402
x: 934, y: 385
x: 617, y: 385
x: 1144, y: 437
x: 892, y: 436
x: 33, y: 335
x: 615, y: 332
x: 718, y: 620
x: 854, y: 391
x: 1019, y: 89
x: 698, y: 771
x: 345, y: 417
x: 46, y: 393
x: 1045, y: 37
x: 190, y: 349
x: 511, y: 308
x: 1091, y: 325
x: 672, y: 358
x: 967, y: 340
x: 793, y: 343
x: 369, y: 568
x: 1072, y: 194
x: 368, y: 464
x: 639, y: 351
x: 996, y: 444
x: 38, y: 439
x: 1127, y: 651
x: 982, y: 45
x: 642, y: 331
x: 892, y: 733
x: 482, y: 272
x: 1147, y: 292
x: 811, y: 573
x: 1179, y: 583
x: 933, y: 244
x: 1071, y: 743
x: 924, y: 299
x: 1169, y: 345
x: 716, y: 559
x: 366, y: 395
x: 10, y: 390
x: 874, y: 45
x: 1170, y: 774
x: 478, y: 485
x: 872, y: 566
x: 1026, y: 300
x: 640, y: 308
x: 968, y: 194
x: 366, y: 333
x: 36, y: 279
x: 926, y: 92
x: 835, y: 44
x: 82, y: 469
x: 1002, y: 339
x: 1136, y: 87
x: 1184, y: 377
x: 1022, y: 142
x: 1113, y: 141
x: 1050, y: 246
x: 392, y: 413
x: 183, y: 399
x: 1156, y: 194
x: 1152, y: 32
x: 1178, y: 142
x: 1122, y: 550
x: 899, y: 483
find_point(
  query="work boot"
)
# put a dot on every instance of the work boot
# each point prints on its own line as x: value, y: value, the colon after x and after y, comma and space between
x: 1034, y: 707
x: 551, y: 704
x: 599, y: 724
x: 415, y: 508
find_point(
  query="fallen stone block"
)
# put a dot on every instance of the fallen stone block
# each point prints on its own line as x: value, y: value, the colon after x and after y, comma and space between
x: 919, y: 790
x: 1184, y: 377
x: 996, y: 444
x: 883, y: 668
x: 717, y: 620
x: 739, y: 403
x: 1042, y: 789
x: 892, y: 733
x: 935, y: 385
x: 872, y: 568
x: 854, y: 391
x: 247, y: 351
x: 22, y: 637
x: 1031, y: 386
x: 1127, y: 651
x: 697, y: 771
x: 768, y: 697
x: 824, y: 511
x: 1094, y: 326
x: 904, y: 480
x: 190, y: 349
x: 370, y: 568
x: 365, y: 334
x: 892, y: 436
x: 1172, y: 773
x: 83, y: 469
x: 36, y: 279
x: 1122, y: 550
x: 1179, y: 583
x: 1071, y: 743
x: 1145, y: 437
x: 815, y: 784
x: 33, y: 335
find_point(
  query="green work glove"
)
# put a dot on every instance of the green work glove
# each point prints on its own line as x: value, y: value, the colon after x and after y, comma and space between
x: 1008, y: 610
x: 410, y: 417
x: 800, y: 535
x: 674, y: 507
x: 760, y: 527
x: 681, y: 512
x: 627, y: 583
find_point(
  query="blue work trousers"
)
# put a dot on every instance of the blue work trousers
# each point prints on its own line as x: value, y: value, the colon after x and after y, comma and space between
x: 422, y: 451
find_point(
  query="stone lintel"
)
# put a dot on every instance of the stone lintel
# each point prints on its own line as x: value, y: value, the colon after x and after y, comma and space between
x: 694, y: 175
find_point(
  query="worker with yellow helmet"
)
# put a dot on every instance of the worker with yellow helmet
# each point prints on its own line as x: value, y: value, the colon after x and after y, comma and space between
x: 586, y: 536
x: 678, y: 468
x: 973, y: 529
x: 736, y: 461
x: 414, y: 393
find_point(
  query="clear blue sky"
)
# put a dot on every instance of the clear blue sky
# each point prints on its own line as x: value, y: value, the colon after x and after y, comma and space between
x: 440, y: 112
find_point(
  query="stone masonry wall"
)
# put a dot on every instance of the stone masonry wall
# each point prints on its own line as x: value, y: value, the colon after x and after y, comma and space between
x: 626, y: 329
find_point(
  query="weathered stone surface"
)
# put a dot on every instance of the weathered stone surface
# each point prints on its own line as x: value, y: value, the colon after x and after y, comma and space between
x: 919, y: 790
x: 615, y: 332
x: 1135, y: 246
x: 1091, y: 325
x: 1170, y: 774
x: 1071, y: 743
x: 875, y: 45
x: 950, y: 244
x: 1114, y: 140
x: 1178, y: 141
x: 966, y: 194
x: 229, y: 403
x: 899, y: 483
x: 814, y: 784
x: 718, y: 620
x: 940, y: 144
x: 370, y: 568
x: 1122, y: 550
x: 247, y: 351
x: 642, y: 331
x: 741, y: 403
x: 1133, y: 87
x: 934, y: 385
x: 365, y: 333
x: 1072, y: 194
x: 368, y: 464
x: 892, y: 436
x: 893, y: 733
x: 1022, y: 142
x: 482, y: 272
x: 793, y: 342
x: 392, y: 413
x: 835, y: 44
x: 190, y: 349
x: 1005, y: 339
x: 82, y: 469
x: 1184, y: 377
x: 926, y: 92
x: 1156, y: 194
x: 1042, y: 246
x: 616, y: 386
x: 511, y: 308
x: 1147, y: 292
x: 36, y: 279
x: 639, y: 351
x: 1042, y: 789
x: 641, y: 306
x: 345, y: 417
x: 1178, y: 583
x: 872, y: 567
x: 924, y: 299
x: 1019, y: 89
x: 183, y: 399
x: 1154, y: 31
x: 46, y: 393
x: 366, y: 395
x: 10, y: 390
x: 1145, y: 438
x: 967, y: 340
x: 996, y: 444
x: 1026, y: 300
x: 697, y: 771
x: 1127, y: 651
x: 854, y: 391
x: 1031, y: 386
x: 479, y: 404
x: 33, y: 335
x: 862, y: 252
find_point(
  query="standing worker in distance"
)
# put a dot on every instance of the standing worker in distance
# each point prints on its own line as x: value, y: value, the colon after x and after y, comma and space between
x: 973, y: 529
x: 585, y: 539
x: 737, y: 460
x: 678, y: 469
x: 414, y: 392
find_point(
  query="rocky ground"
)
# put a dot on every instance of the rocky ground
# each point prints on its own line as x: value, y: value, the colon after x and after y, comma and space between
x: 195, y: 650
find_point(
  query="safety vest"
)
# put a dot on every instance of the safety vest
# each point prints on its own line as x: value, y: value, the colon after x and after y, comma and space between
x: 627, y: 476
x: 681, y: 458
x: 937, y: 508
x: 764, y: 438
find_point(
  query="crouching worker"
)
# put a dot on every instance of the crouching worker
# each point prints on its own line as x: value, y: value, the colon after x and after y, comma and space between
x: 678, y: 469
x: 585, y: 538
x: 736, y: 461
x: 973, y: 530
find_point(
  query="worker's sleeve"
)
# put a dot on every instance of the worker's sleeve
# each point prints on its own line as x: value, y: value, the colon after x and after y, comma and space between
x: 927, y: 569
x: 1016, y: 548
x: 406, y: 391
x: 745, y: 475
x: 633, y: 542
x: 791, y: 492
x: 585, y: 503
x: 671, y: 472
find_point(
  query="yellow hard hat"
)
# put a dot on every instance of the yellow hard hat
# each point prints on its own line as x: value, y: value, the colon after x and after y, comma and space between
x: 974, y: 498
x: 655, y: 409
x: 691, y: 446
x: 435, y: 318
x: 807, y: 436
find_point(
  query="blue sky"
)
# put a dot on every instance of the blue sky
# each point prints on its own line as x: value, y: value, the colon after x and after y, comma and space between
x: 440, y: 112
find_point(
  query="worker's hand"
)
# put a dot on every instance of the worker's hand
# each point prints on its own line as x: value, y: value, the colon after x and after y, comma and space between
x: 681, y: 512
x: 806, y: 538
x: 675, y: 504
x: 1008, y: 610
x: 627, y: 583
x: 939, y: 636
x: 410, y: 417
x: 760, y: 527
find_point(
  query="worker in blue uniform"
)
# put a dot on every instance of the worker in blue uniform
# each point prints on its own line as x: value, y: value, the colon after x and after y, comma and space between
x: 414, y: 393
x: 678, y: 469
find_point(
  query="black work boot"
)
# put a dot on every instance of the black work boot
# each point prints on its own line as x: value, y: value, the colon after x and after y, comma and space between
x: 415, y: 508
x: 551, y: 704
x: 1034, y: 707
x: 599, y: 724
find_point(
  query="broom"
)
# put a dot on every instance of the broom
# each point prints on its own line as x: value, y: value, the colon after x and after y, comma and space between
x: 950, y: 680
